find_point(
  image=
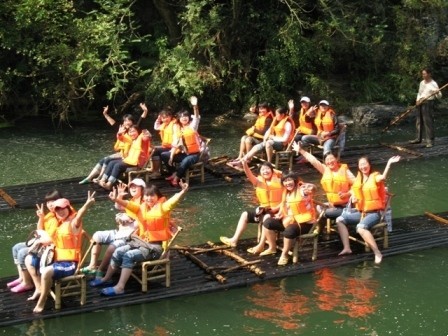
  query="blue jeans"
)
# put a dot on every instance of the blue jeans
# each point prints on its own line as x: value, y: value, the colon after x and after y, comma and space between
x: 367, y: 222
x: 114, y: 169
x: 126, y: 257
x: 314, y: 140
x: 185, y: 161
x: 19, y: 252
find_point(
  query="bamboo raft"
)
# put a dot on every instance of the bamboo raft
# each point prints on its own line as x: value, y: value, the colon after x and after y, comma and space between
x: 212, y: 267
x: 217, y: 174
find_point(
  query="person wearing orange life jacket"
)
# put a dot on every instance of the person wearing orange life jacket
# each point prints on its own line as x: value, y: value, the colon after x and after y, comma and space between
x: 67, y: 240
x: 336, y: 180
x: 254, y: 135
x: 121, y: 147
x: 126, y: 222
x: 295, y: 216
x: 46, y: 222
x: 278, y: 137
x: 138, y: 155
x: 328, y: 129
x: 154, y: 227
x: 186, y: 147
x: 268, y: 189
x: 369, y: 195
x: 304, y: 119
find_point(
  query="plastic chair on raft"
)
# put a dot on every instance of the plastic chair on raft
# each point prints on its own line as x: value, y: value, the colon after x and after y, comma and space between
x: 198, y: 169
x: 156, y: 269
x: 76, y: 284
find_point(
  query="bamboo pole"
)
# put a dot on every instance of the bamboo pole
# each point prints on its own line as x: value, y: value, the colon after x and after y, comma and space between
x: 409, y: 110
x: 12, y: 203
x: 436, y: 217
x: 240, y: 259
x: 403, y: 149
x: 204, y: 266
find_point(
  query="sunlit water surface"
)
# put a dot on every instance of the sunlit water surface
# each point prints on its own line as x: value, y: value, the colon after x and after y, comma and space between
x: 406, y: 295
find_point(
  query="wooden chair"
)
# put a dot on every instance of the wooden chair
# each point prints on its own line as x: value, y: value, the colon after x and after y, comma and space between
x: 156, y: 269
x: 284, y: 159
x: 198, y: 169
x: 143, y: 172
x: 76, y: 284
x: 339, y: 144
x: 312, y: 236
x: 379, y: 231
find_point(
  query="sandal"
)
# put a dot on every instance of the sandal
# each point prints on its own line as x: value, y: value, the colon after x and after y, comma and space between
x: 88, y: 271
x: 253, y: 250
x: 267, y: 252
x: 226, y: 241
x: 85, y: 181
x: 282, y: 261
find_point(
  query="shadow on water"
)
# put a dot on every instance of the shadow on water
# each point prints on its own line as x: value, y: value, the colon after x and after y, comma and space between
x: 394, y: 298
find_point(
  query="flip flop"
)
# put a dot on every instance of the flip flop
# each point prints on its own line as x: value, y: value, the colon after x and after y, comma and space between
x: 252, y: 250
x: 282, y: 261
x: 110, y: 291
x: 267, y: 252
x: 88, y: 271
x: 226, y: 241
x: 20, y: 288
x: 98, y: 283
x: 85, y: 181
x: 13, y: 283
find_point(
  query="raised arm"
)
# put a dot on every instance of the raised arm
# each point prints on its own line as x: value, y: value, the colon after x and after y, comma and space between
x: 106, y: 115
x: 383, y: 176
x: 252, y: 178
x: 76, y: 222
x: 309, y: 157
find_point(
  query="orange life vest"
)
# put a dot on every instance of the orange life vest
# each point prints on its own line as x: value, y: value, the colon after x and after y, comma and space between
x: 269, y: 193
x: 302, y: 207
x: 67, y: 243
x: 51, y: 223
x: 167, y: 133
x: 258, y: 130
x: 325, y: 122
x: 123, y: 144
x: 134, y: 204
x: 305, y: 127
x: 190, y: 140
x: 153, y: 224
x: 335, y: 182
x: 371, y: 195
x: 139, y: 152
x: 279, y: 129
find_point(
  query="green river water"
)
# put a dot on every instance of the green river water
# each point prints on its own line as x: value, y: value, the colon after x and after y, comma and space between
x: 405, y: 295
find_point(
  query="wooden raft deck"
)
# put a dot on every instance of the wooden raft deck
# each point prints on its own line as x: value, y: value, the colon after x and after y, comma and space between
x: 218, y: 173
x: 411, y: 234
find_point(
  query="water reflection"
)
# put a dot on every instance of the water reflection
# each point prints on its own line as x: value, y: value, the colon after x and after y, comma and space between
x: 289, y: 303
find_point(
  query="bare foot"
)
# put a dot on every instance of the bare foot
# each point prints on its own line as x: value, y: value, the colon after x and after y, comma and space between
x: 34, y: 297
x: 378, y: 258
x: 38, y: 310
x: 345, y: 252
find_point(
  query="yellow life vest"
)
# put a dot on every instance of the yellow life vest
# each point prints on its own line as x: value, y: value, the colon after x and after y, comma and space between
x: 67, y: 243
x: 371, y: 195
x: 154, y: 225
x: 305, y: 127
x: 269, y: 193
x: 133, y: 206
x: 279, y: 129
x: 335, y: 182
x: 51, y: 223
x: 301, y: 207
x: 167, y: 133
x: 139, y: 152
x: 123, y: 144
x: 258, y: 130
